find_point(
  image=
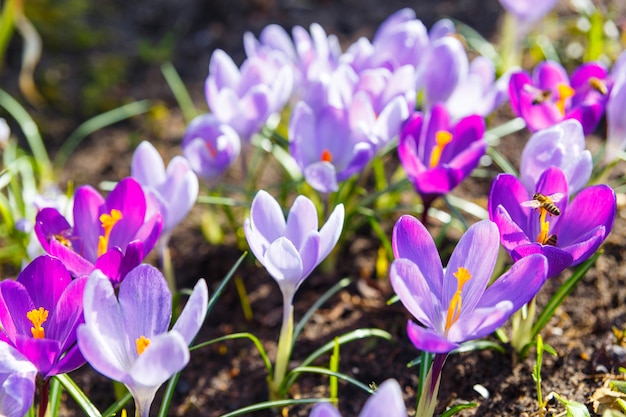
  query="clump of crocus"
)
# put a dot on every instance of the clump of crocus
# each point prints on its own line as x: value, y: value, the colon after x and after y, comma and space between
x: 210, y: 146
x: 17, y: 382
x: 40, y: 313
x: 289, y: 250
x: 550, y: 96
x: 112, y: 234
x: 544, y: 221
x: 386, y: 401
x: 456, y: 304
x: 562, y: 146
x: 125, y: 336
x: 437, y: 155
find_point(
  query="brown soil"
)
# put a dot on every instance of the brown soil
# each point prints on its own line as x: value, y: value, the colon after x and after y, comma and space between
x: 227, y: 376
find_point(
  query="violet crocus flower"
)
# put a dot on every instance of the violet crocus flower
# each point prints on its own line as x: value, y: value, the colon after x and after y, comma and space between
x: 39, y: 314
x: 443, y: 67
x: 436, y: 154
x: 562, y: 146
x: 615, y: 114
x: 210, y: 146
x: 291, y: 249
x: 528, y: 11
x: 456, y: 304
x: 126, y: 337
x: 386, y: 401
x: 112, y: 234
x: 174, y: 190
x: 246, y: 97
x: 550, y: 97
x: 17, y: 382
x: 567, y: 233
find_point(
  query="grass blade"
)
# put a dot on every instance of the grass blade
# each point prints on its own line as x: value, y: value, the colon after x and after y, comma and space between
x: 274, y: 404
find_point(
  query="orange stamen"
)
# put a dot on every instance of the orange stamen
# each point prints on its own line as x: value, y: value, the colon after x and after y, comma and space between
x: 37, y: 317
x: 142, y: 343
x: 443, y: 138
x: 326, y: 156
x: 565, y: 92
x: 544, y: 226
x: 456, y: 303
x: 108, y: 221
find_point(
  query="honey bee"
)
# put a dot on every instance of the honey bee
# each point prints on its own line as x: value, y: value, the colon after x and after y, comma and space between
x: 598, y: 85
x: 539, y: 96
x: 551, y: 240
x: 545, y: 202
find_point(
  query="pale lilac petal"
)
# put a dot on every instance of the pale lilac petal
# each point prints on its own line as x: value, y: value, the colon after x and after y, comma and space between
x: 386, y: 401
x: 331, y: 231
x: 414, y: 291
x: 323, y: 410
x: 309, y: 254
x: 147, y: 165
x: 301, y: 220
x: 267, y: 219
x: 167, y: 354
x: 192, y: 316
x: 322, y: 177
x: 428, y: 339
x: 223, y: 71
x: 283, y: 263
x: 481, y: 322
x: 446, y: 62
x: 17, y: 379
x: 180, y: 189
x: 616, y: 118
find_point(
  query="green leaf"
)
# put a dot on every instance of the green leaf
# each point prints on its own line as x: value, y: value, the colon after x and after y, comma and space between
x: 573, y: 408
x: 118, y: 405
x: 179, y: 90
x: 339, y: 375
x: 457, y: 408
x: 274, y: 404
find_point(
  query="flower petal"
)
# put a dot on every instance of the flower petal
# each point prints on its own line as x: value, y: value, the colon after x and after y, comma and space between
x: 386, y: 401
x: 301, y: 220
x: 429, y: 340
x: 192, y: 316
x: 414, y: 292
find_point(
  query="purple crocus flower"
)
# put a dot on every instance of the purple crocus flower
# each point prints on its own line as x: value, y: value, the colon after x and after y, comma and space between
x: 546, y: 222
x: 246, y: 97
x: 456, y: 304
x: 17, y: 382
x: 290, y: 250
x: 112, y: 234
x: 615, y: 114
x: 210, y: 146
x: 126, y: 337
x: 444, y: 65
x: 528, y: 11
x: 562, y: 146
x: 39, y: 314
x: 175, y: 190
x: 386, y: 401
x: 436, y: 154
x: 550, y: 97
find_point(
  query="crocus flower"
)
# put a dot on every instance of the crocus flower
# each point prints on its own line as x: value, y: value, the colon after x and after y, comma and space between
x: 550, y: 97
x: 112, y: 234
x: 562, y: 146
x: 438, y: 155
x: 17, y: 382
x: 442, y: 70
x: 174, y: 190
x: 290, y: 250
x: 210, y: 146
x: 246, y: 97
x: 456, y: 305
x: 545, y: 222
x: 386, y: 401
x: 126, y: 337
x: 615, y: 114
x: 528, y: 11
x: 39, y: 314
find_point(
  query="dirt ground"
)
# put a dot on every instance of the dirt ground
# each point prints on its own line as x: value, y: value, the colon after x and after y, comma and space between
x: 228, y: 376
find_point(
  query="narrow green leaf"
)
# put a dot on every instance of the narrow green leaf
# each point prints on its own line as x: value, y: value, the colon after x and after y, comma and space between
x: 339, y: 375
x: 117, y: 405
x: 457, y: 408
x: 180, y: 91
x: 78, y: 395
x: 333, y: 383
x: 54, y: 397
x: 220, y: 289
x: 245, y: 335
x: 274, y: 404
x: 168, y: 394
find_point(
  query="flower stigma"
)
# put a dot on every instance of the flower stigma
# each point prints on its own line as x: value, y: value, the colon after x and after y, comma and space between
x: 462, y: 275
x: 442, y: 138
x: 142, y: 343
x: 108, y: 221
x: 326, y: 156
x: 37, y: 317
x: 565, y: 92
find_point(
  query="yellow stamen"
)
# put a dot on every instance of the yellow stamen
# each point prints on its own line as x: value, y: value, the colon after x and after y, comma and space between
x: 326, y: 156
x: 142, y: 343
x: 37, y: 317
x: 108, y: 221
x: 598, y: 85
x: 565, y: 92
x: 544, y: 226
x: 442, y: 138
x: 456, y: 303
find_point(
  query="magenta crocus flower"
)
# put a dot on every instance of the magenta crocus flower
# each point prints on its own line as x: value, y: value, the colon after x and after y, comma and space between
x: 112, y: 234
x: 437, y: 155
x: 210, y: 146
x: 39, y: 314
x: 175, y: 190
x: 545, y: 222
x: 246, y: 97
x: 126, y: 337
x: 291, y: 249
x: 561, y: 146
x: 17, y: 382
x: 386, y: 401
x: 550, y: 96
x: 456, y: 304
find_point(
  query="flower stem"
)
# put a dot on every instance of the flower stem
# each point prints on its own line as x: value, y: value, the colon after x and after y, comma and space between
x: 430, y: 387
x: 521, y: 326
x: 44, y: 394
x: 284, y: 350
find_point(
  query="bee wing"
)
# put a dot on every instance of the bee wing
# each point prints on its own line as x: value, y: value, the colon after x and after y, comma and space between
x: 556, y: 197
x: 531, y: 203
